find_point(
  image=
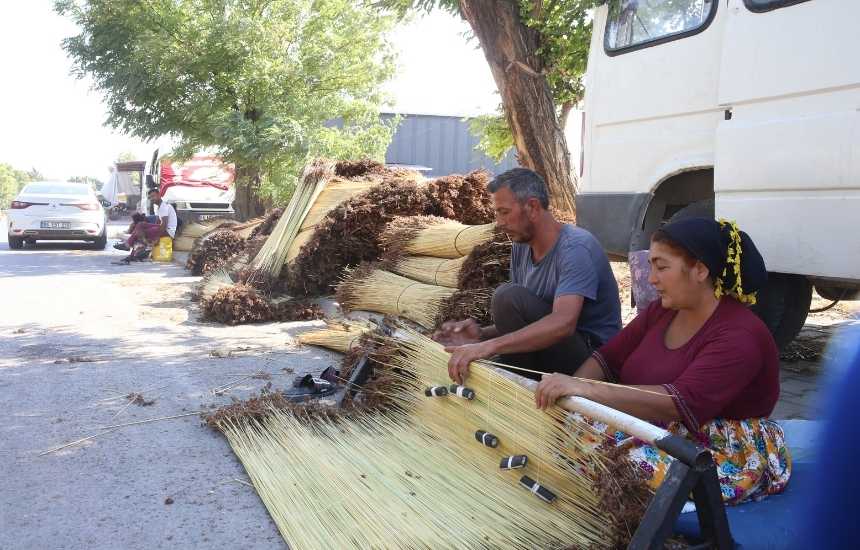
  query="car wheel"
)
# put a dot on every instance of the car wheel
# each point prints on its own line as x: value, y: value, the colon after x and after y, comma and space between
x: 16, y: 243
x: 101, y: 242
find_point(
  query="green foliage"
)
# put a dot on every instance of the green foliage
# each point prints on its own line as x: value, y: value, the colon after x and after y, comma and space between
x: 11, y: 182
x: 494, y: 134
x: 251, y: 80
x: 565, y: 36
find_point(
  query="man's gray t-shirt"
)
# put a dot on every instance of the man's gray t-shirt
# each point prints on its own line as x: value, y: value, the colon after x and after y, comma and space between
x: 578, y: 265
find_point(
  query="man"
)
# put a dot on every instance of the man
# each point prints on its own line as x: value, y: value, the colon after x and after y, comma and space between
x: 152, y: 232
x: 562, y: 301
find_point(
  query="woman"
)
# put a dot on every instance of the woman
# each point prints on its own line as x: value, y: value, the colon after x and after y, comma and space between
x: 697, y: 361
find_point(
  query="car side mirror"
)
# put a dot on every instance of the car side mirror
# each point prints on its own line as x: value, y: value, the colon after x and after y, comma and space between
x: 105, y: 203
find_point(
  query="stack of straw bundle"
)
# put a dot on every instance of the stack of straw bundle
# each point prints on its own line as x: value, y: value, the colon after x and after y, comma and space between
x: 190, y: 233
x: 349, y: 235
x: 370, y: 289
x: 273, y: 254
x: 413, y: 475
x: 463, y: 198
x: 213, y: 250
x: 340, y: 336
x: 434, y: 236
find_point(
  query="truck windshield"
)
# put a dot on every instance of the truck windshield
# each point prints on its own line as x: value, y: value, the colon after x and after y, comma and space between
x: 634, y: 22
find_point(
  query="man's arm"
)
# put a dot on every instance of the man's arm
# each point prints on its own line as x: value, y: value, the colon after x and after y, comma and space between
x: 162, y: 230
x: 544, y: 332
x: 541, y: 334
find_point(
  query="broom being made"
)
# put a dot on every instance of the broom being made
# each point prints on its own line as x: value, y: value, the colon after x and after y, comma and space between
x: 436, y: 470
x: 433, y: 236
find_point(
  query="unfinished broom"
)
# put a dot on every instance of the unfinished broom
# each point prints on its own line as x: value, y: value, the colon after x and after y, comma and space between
x: 426, y: 269
x: 339, y: 336
x: 417, y: 475
x: 432, y: 236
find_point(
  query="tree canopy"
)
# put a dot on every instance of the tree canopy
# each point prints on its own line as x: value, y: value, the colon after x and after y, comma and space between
x: 257, y: 81
x: 12, y: 181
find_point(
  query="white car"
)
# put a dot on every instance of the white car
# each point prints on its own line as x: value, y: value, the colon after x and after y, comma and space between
x: 47, y: 210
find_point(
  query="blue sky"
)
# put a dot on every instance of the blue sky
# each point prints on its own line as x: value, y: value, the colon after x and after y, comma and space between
x: 53, y: 122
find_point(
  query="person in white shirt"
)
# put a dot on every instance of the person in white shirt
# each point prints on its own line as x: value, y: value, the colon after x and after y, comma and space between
x: 152, y: 232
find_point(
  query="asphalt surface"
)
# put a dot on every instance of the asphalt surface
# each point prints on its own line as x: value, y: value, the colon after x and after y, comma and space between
x: 77, y: 334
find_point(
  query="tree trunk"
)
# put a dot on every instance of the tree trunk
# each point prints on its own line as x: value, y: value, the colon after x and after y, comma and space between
x: 511, y: 50
x: 247, y: 203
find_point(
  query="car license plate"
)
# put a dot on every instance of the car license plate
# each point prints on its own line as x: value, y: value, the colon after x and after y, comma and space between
x: 56, y: 225
x: 204, y: 217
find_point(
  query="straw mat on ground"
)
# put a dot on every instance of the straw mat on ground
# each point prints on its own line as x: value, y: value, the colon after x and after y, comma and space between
x: 413, y: 475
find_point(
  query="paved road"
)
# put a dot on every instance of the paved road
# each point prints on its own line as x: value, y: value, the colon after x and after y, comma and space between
x: 136, y: 331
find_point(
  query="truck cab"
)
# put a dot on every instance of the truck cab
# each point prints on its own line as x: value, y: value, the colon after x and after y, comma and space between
x: 739, y: 109
x: 199, y: 188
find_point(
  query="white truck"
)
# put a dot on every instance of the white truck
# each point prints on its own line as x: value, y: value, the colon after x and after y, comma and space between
x: 199, y: 188
x: 740, y: 109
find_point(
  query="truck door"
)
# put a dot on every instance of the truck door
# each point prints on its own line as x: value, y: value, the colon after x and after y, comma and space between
x: 787, y: 156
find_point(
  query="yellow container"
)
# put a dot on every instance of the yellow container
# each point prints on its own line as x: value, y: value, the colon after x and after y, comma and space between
x: 163, y: 251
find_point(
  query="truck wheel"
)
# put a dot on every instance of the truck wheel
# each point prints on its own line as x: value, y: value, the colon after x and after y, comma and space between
x: 783, y: 305
x: 16, y: 243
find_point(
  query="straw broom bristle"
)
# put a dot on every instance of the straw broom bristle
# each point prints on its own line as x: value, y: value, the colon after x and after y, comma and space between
x: 466, y: 304
x: 487, y: 266
x: 464, y: 198
x: 340, y: 336
x: 349, y: 235
x: 426, y: 269
x: 273, y: 254
x: 432, y: 236
x: 415, y: 473
x: 371, y: 289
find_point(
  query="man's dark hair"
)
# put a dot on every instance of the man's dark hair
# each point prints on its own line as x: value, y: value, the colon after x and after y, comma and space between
x: 523, y: 183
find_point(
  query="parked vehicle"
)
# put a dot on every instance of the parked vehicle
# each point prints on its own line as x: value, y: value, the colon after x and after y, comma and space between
x: 199, y: 189
x: 47, y: 210
x: 739, y: 109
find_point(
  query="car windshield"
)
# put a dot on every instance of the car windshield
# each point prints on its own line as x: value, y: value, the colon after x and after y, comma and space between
x: 56, y: 189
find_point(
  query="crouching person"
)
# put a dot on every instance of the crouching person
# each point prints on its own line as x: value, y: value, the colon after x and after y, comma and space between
x: 562, y: 302
x: 150, y: 233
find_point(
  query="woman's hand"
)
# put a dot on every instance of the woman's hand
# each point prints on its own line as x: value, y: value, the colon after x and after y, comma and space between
x: 554, y: 386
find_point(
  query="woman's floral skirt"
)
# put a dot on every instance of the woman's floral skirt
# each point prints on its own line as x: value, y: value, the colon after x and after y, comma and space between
x: 751, y: 456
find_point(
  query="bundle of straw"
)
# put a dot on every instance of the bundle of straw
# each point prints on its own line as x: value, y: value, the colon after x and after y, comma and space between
x: 349, y: 235
x: 371, y: 289
x: 426, y: 269
x: 432, y: 236
x: 340, y: 336
x: 212, y: 282
x: 273, y: 255
x: 335, y: 192
x: 464, y: 198
x: 413, y: 475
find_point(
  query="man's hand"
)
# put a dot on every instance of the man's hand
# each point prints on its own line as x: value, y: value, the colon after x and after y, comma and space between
x: 554, y: 386
x: 461, y: 356
x: 458, y: 333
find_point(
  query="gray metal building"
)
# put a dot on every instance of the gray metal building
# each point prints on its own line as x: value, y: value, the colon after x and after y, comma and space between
x: 442, y: 143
